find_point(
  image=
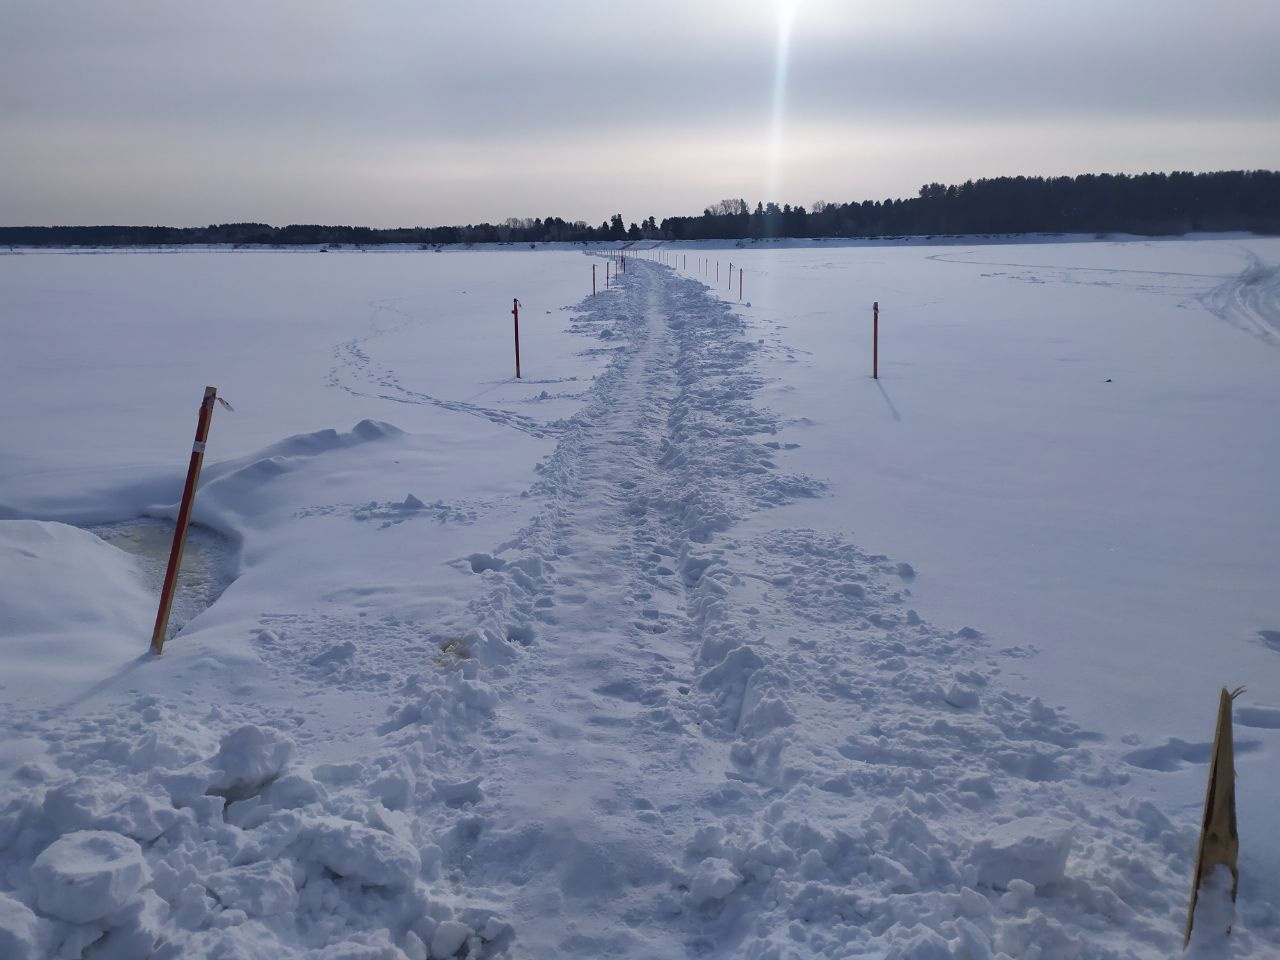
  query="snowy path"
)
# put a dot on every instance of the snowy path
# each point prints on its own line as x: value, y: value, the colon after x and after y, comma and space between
x: 721, y: 737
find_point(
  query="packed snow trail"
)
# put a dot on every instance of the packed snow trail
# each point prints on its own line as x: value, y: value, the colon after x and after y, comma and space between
x: 714, y: 736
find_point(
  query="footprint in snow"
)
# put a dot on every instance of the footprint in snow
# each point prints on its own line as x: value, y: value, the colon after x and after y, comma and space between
x: 1174, y: 754
x: 1261, y: 718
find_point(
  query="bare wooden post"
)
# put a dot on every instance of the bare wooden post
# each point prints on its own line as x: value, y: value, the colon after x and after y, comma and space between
x: 739, y: 284
x: 730, y: 276
x: 184, y: 520
x: 875, y: 340
x: 515, y: 313
x: 1219, y: 839
x: 593, y: 279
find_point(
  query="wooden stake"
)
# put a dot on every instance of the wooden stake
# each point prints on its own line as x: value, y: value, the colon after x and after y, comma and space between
x: 184, y: 519
x: 739, y: 284
x: 1219, y: 839
x: 875, y: 340
x: 515, y: 313
x: 593, y: 279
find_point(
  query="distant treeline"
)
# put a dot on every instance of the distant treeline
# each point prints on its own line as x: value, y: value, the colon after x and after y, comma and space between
x: 1148, y: 204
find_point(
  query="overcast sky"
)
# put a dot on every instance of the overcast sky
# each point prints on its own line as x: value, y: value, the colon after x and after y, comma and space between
x: 418, y: 112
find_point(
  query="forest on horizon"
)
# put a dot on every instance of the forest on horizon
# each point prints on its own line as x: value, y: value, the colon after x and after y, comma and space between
x: 1148, y: 204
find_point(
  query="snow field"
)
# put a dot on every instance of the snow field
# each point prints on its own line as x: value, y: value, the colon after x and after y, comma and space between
x: 616, y: 679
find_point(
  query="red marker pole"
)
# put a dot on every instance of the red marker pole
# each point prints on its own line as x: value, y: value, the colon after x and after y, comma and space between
x: 875, y: 340
x: 515, y: 313
x: 184, y: 520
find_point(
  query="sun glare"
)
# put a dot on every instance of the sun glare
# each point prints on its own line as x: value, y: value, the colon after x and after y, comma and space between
x: 782, y: 60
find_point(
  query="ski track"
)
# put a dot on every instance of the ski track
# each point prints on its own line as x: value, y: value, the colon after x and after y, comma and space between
x: 1251, y: 301
x: 359, y: 374
x: 658, y: 731
x: 1164, y: 281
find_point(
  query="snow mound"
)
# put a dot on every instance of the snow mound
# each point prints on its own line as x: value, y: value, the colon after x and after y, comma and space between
x: 86, y: 875
x: 73, y: 605
x: 55, y: 573
x: 354, y: 851
x: 260, y: 889
x: 322, y: 441
x: 249, y: 758
x: 713, y: 880
x: 21, y: 931
x: 1031, y: 849
x: 448, y: 939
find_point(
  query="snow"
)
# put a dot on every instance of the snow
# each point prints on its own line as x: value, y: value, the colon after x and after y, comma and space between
x: 1214, y: 915
x: 448, y: 939
x: 22, y: 935
x: 1031, y: 849
x: 57, y: 629
x: 698, y: 641
x: 85, y: 875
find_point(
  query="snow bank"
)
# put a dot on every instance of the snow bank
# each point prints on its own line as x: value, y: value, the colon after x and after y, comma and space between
x: 73, y: 608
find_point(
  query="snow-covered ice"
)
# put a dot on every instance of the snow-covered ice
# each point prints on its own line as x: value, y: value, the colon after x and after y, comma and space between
x: 696, y: 642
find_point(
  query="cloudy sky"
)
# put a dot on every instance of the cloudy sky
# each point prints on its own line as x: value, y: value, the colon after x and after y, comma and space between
x: 420, y: 112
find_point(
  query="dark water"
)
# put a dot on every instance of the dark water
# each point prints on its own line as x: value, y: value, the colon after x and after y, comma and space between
x: 206, y: 562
